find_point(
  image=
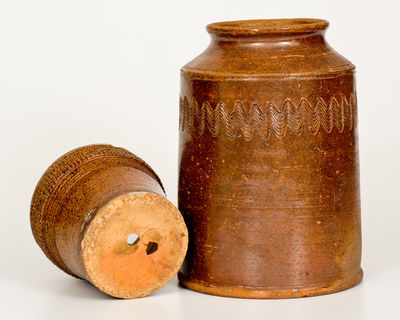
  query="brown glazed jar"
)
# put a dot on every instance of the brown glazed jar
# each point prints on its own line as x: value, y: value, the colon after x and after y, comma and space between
x: 269, y: 169
x: 100, y: 213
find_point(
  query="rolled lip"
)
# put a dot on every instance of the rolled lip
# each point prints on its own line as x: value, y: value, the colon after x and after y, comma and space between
x: 266, y: 26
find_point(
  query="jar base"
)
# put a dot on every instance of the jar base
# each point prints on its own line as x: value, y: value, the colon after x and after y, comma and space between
x: 259, y: 293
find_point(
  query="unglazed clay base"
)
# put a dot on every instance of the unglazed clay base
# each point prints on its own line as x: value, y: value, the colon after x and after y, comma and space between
x: 134, y: 245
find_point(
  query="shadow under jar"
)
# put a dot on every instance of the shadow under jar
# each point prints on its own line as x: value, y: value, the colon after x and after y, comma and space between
x: 269, y: 169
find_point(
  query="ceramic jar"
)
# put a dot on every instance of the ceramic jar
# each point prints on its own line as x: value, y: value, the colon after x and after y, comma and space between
x: 100, y: 214
x: 268, y: 163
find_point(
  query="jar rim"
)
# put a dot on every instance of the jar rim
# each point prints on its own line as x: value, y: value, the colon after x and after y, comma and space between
x: 267, y: 26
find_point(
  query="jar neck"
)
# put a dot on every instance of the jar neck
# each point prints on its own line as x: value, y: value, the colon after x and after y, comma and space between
x: 287, y: 33
x: 270, y: 40
x: 255, y: 49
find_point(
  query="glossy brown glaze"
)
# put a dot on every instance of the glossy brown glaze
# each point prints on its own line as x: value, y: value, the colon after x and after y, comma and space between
x: 86, y: 206
x: 269, y: 170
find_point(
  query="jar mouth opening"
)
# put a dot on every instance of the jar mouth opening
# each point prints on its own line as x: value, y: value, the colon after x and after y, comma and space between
x: 267, y: 26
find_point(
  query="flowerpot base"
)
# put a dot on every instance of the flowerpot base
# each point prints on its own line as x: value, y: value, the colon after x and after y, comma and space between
x: 134, y: 245
x: 259, y: 293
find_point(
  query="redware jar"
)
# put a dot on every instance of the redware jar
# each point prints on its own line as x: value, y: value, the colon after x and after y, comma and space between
x: 269, y: 170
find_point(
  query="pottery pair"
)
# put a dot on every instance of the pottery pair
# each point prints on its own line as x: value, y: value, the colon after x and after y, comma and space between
x: 268, y: 179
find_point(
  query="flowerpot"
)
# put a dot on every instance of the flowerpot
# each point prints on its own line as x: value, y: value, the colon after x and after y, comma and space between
x: 269, y: 169
x: 100, y: 213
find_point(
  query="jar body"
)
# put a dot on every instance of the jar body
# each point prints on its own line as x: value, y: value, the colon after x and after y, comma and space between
x: 269, y: 175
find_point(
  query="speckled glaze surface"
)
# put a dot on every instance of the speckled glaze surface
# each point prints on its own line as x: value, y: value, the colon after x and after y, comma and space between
x: 103, y: 192
x: 269, y: 169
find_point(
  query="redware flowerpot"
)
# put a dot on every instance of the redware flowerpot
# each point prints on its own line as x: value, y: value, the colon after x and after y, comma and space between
x: 100, y: 214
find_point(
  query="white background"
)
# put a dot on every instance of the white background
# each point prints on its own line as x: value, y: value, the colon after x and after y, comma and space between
x: 79, y: 72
